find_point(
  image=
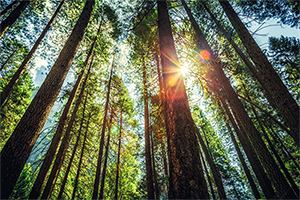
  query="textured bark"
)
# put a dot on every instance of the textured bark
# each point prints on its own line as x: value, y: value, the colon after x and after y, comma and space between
x: 10, y: 20
x: 64, y: 144
x: 244, y: 121
x: 186, y: 180
x: 17, y: 149
x: 244, y: 165
x: 208, y: 178
x: 98, y: 169
x: 8, y: 88
x: 105, y: 158
x: 149, y: 174
x: 261, y: 176
x: 282, y: 101
x: 40, y: 180
x: 213, y: 168
x: 3, y: 12
x: 63, y: 183
x: 81, y: 156
x: 119, y: 155
x: 7, y: 60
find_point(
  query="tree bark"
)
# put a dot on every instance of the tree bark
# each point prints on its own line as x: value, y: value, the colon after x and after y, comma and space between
x: 282, y: 101
x: 17, y: 149
x: 8, y: 88
x: 40, y: 180
x: 150, y: 188
x: 244, y: 121
x: 3, y: 12
x: 186, y: 180
x: 81, y: 156
x: 6, y: 24
x: 63, y: 147
x: 119, y: 155
x: 98, y: 170
x: 105, y: 159
x: 63, y: 183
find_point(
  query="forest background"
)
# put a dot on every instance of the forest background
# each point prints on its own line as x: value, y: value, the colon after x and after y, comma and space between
x: 121, y: 42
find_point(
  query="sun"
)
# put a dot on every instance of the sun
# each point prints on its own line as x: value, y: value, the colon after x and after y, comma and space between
x: 184, y: 70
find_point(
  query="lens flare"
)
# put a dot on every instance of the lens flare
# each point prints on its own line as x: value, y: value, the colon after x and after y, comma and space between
x: 205, y: 54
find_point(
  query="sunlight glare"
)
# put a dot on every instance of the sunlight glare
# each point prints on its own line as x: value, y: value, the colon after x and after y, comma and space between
x: 184, y: 70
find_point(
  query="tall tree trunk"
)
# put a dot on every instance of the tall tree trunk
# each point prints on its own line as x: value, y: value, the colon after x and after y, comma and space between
x: 8, y: 88
x: 17, y: 149
x: 208, y: 178
x: 65, y: 141
x: 273, y: 171
x: 81, y: 156
x: 150, y: 188
x: 98, y: 170
x: 7, y: 60
x: 40, y: 180
x: 154, y: 168
x: 261, y: 175
x: 213, y: 168
x: 244, y: 165
x: 63, y: 183
x: 3, y: 12
x: 284, y: 169
x: 6, y: 24
x: 119, y: 155
x: 105, y: 158
x: 186, y: 180
x: 280, y: 98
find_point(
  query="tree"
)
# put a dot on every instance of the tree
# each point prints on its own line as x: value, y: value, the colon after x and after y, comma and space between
x: 186, y: 176
x: 13, y: 159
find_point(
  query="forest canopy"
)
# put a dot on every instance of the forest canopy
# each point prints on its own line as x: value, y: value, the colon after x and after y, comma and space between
x: 143, y: 99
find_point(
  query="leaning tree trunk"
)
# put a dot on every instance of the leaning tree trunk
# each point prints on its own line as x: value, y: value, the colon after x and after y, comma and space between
x: 6, y: 24
x: 186, y: 180
x: 17, y: 149
x: 105, y: 158
x: 81, y: 156
x: 242, y: 160
x: 150, y: 188
x: 119, y: 155
x: 280, y: 98
x: 3, y: 12
x: 8, y: 88
x: 64, y: 144
x: 63, y: 183
x: 98, y: 170
x: 213, y: 168
x: 273, y: 171
x: 40, y: 180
